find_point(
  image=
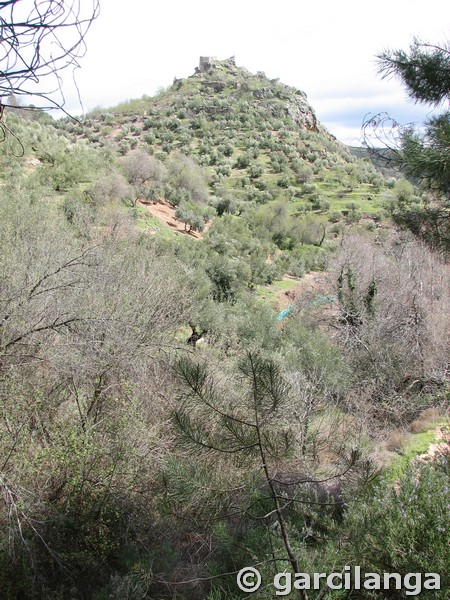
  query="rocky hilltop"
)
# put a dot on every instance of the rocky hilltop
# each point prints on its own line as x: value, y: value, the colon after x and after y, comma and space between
x: 267, y: 94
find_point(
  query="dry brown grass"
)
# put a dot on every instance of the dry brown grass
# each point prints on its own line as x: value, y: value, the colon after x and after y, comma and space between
x: 396, y: 440
x: 427, y: 417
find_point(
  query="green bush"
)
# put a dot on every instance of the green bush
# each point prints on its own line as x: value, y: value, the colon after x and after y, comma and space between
x: 255, y: 171
x: 404, y: 529
x: 284, y: 182
x: 242, y: 161
x: 335, y: 216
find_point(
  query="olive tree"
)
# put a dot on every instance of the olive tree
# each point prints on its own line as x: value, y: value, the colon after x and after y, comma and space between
x: 184, y: 173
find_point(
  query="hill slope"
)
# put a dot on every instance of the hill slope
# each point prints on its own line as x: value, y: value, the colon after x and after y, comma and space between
x: 256, y: 138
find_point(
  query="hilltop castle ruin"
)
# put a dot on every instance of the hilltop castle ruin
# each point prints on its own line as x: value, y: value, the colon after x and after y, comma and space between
x: 206, y: 63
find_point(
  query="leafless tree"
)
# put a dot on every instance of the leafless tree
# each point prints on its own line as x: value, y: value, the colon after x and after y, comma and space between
x: 40, y: 39
x: 381, y: 135
x: 85, y: 329
x: 393, y: 318
x: 142, y: 170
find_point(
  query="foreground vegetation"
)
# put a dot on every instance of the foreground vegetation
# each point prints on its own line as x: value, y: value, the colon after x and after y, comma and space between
x: 160, y: 429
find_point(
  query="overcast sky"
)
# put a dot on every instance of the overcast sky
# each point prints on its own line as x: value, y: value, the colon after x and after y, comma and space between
x: 325, y: 48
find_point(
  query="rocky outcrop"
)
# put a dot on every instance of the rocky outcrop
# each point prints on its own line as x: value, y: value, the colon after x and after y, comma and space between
x: 281, y: 100
x: 302, y: 114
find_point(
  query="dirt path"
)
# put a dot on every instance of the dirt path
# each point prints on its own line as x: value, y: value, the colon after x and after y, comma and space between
x: 165, y: 213
x: 441, y: 445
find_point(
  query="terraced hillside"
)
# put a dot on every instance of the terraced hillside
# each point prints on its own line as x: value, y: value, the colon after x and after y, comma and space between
x: 257, y: 139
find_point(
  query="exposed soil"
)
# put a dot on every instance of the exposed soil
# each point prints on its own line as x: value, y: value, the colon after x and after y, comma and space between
x: 165, y: 213
x: 31, y: 163
x: 440, y: 446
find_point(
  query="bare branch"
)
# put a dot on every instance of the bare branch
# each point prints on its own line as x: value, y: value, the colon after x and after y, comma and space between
x: 39, y: 39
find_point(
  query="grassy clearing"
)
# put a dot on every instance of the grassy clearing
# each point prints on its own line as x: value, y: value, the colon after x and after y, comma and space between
x: 415, y: 445
x: 148, y: 222
x: 271, y: 293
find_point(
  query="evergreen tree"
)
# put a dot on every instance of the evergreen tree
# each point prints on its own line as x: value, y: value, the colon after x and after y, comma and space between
x: 244, y: 423
x: 425, y: 73
x: 422, y: 153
